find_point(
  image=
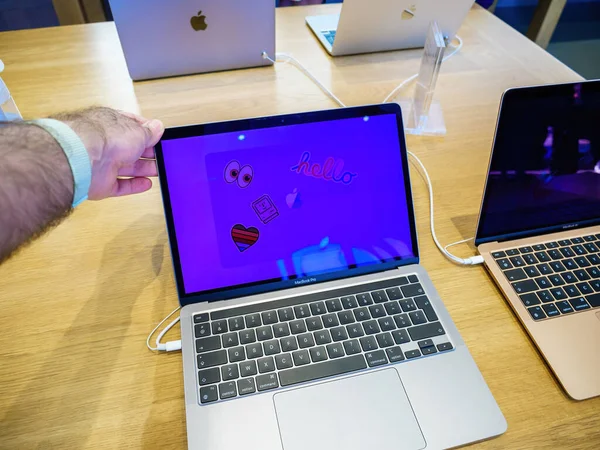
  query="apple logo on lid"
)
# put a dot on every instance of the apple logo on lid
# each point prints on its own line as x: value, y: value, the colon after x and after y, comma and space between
x: 198, y: 22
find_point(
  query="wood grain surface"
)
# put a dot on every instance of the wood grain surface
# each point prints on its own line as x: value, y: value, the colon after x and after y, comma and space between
x: 78, y: 303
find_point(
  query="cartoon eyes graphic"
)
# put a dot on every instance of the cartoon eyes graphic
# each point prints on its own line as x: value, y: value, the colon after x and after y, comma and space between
x: 243, y: 175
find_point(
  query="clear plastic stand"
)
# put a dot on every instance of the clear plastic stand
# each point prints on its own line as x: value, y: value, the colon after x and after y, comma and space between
x: 422, y: 114
x: 8, y: 108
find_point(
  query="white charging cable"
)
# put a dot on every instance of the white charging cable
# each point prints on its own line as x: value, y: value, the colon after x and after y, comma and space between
x: 170, y: 346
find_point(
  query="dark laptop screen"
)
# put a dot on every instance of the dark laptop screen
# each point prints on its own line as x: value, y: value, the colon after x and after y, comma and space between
x: 545, y: 168
x: 279, y: 202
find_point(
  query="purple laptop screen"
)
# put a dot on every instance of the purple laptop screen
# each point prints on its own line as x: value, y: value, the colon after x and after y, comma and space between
x: 287, y: 202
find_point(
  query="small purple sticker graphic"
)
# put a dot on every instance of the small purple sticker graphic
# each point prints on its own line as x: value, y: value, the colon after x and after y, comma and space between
x: 243, y: 175
x: 243, y: 237
x: 265, y: 209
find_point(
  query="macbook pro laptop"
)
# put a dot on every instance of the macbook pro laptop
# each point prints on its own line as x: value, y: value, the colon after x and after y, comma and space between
x: 366, y: 26
x: 539, y: 225
x: 163, y: 38
x: 307, y: 321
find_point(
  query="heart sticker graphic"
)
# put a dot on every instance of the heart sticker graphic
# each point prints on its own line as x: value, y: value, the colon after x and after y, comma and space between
x: 244, y: 237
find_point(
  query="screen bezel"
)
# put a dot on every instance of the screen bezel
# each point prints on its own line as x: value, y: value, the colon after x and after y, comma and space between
x: 509, y: 95
x: 272, y: 122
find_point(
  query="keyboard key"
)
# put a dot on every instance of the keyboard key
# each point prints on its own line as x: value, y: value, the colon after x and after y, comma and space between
x: 544, y: 269
x: 377, y: 358
x: 247, y: 337
x: 557, y: 266
x: 335, y: 350
x: 288, y: 344
x: 523, y: 287
x: 412, y: 354
x: 577, y: 240
x: 570, y: 264
x: 318, y: 308
x: 355, y: 330
x: 504, y: 264
x: 579, y: 304
x: 269, y: 317
x: 208, y: 394
x: 281, y: 330
x: 424, y: 304
x: 266, y: 365
x: 555, y: 254
x: 551, y: 310
x: 306, y: 340
x: 384, y: 340
x: 236, y: 323
x: 498, y: 255
x: 386, y: 324
x: 426, y: 331
x: 211, y: 359
x: 529, y: 299
x: 264, y: 333
x: 314, y: 323
x: 593, y: 259
x: 364, y: 299
x: 400, y: 337
x: 230, y: 340
x: 525, y: 249
x: 593, y: 272
x: 272, y: 347
x: 377, y: 311
x: 558, y: 293
x: 552, y: 245
x: 402, y: 281
x: 417, y: 317
x: 428, y: 350
x: 591, y: 248
x: 564, y: 307
x: 593, y: 300
x: 539, y: 247
x: 301, y: 357
x: 200, y: 318
x: 349, y: 302
x: 530, y: 259
x: 253, y: 320
x: 230, y: 372
x: 227, y: 390
x: 512, y: 252
x: 543, y: 282
x: 297, y: 326
x: 569, y: 277
x: 545, y: 296
x: 589, y: 238
x: 209, y: 376
x: 582, y: 261
x: 208, y: 344
x: 267, y: 381
x: 595, y: 285
x: 564, y: 242
x: 254, y: 350
x: 532, y: 271
x: 394, y: 354
x: 345, y: 317
x: 368, y: 343
x: 407, y: 305
x: 412, y: 290
x: 352, y: 347
x: 585, y: 288
x: 371, y: 327
x: 542, y: 257
x: 379, y: 296
x: 219, y: 326
x: 444, y: 347
x: 362, y: 314
x: 392, y: 307
x: 536, y: 313
x: 517, y: 261
x: 413, y: 279
x: 333, y: 305
x: 318, y: 354
x: 567, y: 252
x: 202, y: 330
x: 515, y: 274
x: 402, y: 321
x: 236, y: 354
x: 285, y: 314
x: 339, y: 334
x: 394, y: 293
x: 330, y: 320
x: 572, y: 291
x: 318, y: 371
x: 322, y: 337
x: 579, y: 250
x: 284, y: 361
x: 581, y: 275
x: 556, y: 280
x: 302, y: 311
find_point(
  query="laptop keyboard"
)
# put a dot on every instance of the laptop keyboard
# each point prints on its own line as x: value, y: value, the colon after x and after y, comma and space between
x: 329, y: 35
x: 555, y: 278
x: 255, y: 348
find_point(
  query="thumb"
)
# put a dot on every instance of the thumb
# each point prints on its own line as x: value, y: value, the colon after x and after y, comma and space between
x: 153, y: 130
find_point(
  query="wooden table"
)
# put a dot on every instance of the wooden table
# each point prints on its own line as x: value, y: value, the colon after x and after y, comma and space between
x: 78, y: 303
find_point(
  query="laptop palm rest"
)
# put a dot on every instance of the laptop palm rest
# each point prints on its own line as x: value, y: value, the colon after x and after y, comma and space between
x: 360, y: 412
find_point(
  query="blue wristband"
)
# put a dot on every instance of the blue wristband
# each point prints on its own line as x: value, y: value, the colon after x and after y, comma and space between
x: 76, y: 154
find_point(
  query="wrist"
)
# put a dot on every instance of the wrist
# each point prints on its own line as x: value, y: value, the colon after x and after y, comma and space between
x: 91, y: 135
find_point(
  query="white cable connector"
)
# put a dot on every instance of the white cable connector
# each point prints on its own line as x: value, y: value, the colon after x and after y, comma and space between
x: 170, y: 346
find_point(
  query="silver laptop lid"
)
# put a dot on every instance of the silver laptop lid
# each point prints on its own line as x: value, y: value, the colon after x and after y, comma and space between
x: 163, y: 38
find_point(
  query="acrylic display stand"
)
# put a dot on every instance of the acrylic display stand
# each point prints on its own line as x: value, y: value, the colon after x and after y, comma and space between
x: 8, y: 108
x: 422, y: 114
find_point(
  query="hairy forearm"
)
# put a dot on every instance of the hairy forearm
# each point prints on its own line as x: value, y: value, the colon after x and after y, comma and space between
x: 36, y: 185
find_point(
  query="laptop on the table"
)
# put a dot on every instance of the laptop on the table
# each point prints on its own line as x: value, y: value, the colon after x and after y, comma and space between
x: 381, y: 25
x: 178, y: 37
x: 539, y: 225
x: 307, y: 321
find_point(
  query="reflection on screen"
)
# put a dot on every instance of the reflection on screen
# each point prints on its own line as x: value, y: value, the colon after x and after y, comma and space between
x: 287, y: 202
x: 545, y: 168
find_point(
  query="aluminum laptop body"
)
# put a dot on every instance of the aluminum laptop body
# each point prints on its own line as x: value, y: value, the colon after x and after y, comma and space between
x: 366, y: 26
x: 307, y: 321
x: 179, y: 37
x: 539, y: 225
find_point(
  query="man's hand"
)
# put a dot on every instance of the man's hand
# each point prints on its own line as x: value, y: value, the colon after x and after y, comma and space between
x: 121, y: 149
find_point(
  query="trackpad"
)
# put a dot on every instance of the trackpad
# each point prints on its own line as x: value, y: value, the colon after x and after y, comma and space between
x: 361, y: 412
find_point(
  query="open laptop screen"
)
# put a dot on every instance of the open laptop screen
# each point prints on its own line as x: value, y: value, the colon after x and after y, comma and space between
x: 544, y: 173
x: 265, y: 204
